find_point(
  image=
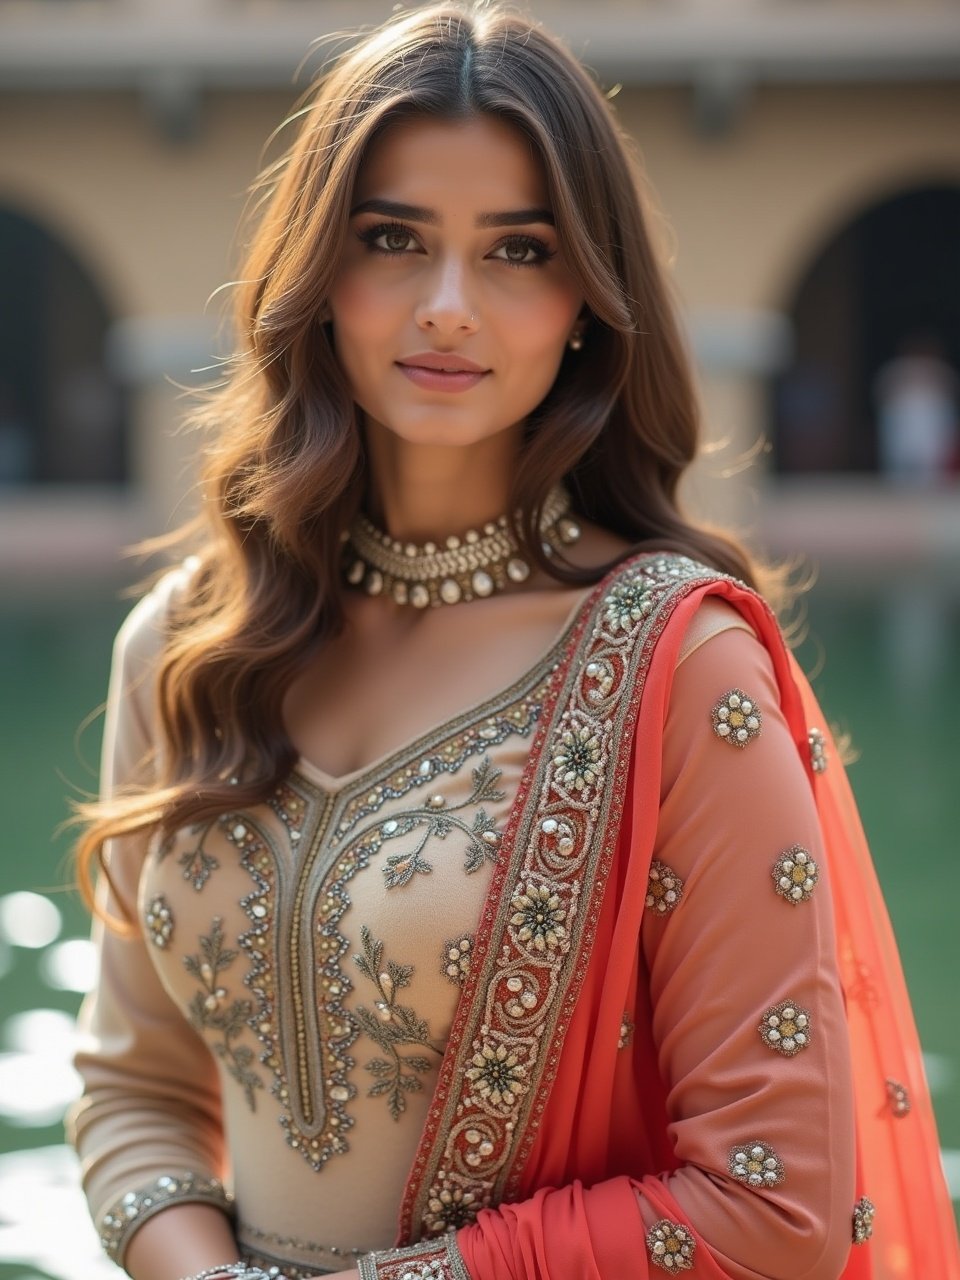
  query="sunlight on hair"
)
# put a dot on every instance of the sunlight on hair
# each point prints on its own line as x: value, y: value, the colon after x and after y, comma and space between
x: 69, y: 966
x: 29, y: 920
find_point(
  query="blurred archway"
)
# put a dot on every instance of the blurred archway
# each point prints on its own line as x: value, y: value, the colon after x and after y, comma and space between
x: 63, y: 416
x: 884, y: 289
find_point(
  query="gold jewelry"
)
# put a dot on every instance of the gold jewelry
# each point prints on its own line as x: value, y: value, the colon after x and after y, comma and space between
x: 477, y: 563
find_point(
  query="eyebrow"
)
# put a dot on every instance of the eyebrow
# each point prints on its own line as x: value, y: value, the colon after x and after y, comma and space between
x: 416, y: 213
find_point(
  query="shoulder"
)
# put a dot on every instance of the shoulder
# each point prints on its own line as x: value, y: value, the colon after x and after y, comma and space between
x: 143, y: 632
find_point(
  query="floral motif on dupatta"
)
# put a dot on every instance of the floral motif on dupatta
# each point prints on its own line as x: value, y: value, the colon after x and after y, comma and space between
x: 536, y: 930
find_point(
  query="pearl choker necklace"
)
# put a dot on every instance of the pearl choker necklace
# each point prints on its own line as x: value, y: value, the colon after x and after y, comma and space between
x: 476, y: 564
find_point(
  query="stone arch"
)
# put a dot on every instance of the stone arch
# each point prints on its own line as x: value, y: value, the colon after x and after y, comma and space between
x: 64, y: 416
x: 884, y: 282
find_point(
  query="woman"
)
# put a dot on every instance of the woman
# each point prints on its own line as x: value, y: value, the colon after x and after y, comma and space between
x: 492, y: 892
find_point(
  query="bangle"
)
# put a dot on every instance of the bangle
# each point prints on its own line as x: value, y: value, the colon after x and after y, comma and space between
x: 429, y: 1260
x: 237, y: 1271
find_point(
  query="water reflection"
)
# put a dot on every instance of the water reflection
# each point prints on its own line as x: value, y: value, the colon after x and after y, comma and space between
x: 70, y: 965
x: 29, y: 920
x: 37, y: 1079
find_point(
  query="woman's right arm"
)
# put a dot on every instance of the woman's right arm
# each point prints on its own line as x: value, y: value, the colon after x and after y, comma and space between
x: 148, y: 1126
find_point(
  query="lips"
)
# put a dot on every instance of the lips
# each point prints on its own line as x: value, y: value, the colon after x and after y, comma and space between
x: 442, y: 363
x: 435, y: 371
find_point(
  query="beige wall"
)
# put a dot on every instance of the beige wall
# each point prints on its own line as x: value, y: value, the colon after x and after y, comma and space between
x: 154, y: 221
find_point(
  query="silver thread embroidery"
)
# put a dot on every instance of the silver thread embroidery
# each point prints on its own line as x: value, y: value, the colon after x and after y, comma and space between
x: 664, y: 889
x: 438, y: 820
x: 795, y: 874
x: 756, y: 1164
x: 390, y: 1026
x: 737, y: 718
x: 671, y: 1246
x: 864, y: 1212
x: 208, y: 1011
x: 456, y: 959
x: 786, y: 1028
x: 818, y: 750
x: 159, y: 921
x: 898, y: 1098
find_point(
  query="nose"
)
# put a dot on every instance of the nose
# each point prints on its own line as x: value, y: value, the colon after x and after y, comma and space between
x: 445, y: 306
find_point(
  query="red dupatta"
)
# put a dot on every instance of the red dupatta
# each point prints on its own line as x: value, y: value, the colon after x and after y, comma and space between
x: 580, y: 844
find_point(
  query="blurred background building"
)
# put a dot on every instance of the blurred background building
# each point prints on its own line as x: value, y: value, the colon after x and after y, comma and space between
x: 806, y: 157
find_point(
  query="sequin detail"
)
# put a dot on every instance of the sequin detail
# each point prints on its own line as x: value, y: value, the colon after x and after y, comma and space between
x: 627, y: 604
x: 756, y: 1164
x: 538, y: 917
x: 898, y: 1098
x: 209, y: 1011
x: 795, y: 874
x: 389, y: 1026
x: 664, y: 889
x: 864, y: 1213
x: 627, y: 1028
x: 671, y: 1246
x: 737, y: 718
x: 133, y: 1209
x: 455, y: 961
x: 818, y: 750
x: 437, y: 819
x: 786, y: 1028
x: 500, y: 1060
x: 159, y: 921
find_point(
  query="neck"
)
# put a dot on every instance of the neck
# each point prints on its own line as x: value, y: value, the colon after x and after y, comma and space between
x: 420, y: 493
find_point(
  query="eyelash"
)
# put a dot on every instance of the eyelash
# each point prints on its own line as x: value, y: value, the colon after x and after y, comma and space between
x: 371, y: 234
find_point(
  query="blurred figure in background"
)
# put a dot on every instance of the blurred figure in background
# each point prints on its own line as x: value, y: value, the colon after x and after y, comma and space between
x: 918, y: 430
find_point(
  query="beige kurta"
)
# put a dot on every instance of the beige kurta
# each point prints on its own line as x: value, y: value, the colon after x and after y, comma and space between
x: 279, y: 1018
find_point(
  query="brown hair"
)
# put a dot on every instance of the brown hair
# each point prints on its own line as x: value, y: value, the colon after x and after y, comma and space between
x: 285, y: 472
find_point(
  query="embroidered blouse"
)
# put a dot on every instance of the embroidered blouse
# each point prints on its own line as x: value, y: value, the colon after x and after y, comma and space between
x: 270, y: 1038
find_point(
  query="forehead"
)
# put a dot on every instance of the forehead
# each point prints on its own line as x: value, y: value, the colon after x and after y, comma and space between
x: 481, y: 163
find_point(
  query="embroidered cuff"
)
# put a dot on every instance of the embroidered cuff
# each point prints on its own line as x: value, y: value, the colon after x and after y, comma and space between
x: 131, y: 1211
x: 431, y: 1260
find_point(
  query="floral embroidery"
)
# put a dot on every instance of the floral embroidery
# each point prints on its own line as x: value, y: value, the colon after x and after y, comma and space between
x: 627, y: 604
x: 795, y: 874
x: 159, y: 921
x: 392, y: 1025
x: 456, y: 959
x: 450, y: 1207
x: 577, y: 757
x: 786, y: 1028
x: 898, y: 1098
x: 737, y: 718
x: 864, y: 1213
x: 627, y: 1028
x: 664, y: 889
x: 438, y: 821
x: 208, y: 1013
x: 538, y: 916
x: 563, y: 839
x: 756, y: 1164
x: 818, y: 750
x: 671, y: 1246
x: 497, y: 1074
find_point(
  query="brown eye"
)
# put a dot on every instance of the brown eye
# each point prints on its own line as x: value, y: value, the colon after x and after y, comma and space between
x: 397, y: 241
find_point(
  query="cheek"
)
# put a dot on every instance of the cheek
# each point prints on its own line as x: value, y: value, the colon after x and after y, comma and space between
x: 360, y: 311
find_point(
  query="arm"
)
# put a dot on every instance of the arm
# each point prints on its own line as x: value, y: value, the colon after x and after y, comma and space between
x: 148, y: 1124
x: 731, y: 950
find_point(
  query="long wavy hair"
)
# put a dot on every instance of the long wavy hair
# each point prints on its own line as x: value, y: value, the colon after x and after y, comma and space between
x: 283, y: 469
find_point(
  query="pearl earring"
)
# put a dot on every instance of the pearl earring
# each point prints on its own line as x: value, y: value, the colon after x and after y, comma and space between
x: 576, y: 342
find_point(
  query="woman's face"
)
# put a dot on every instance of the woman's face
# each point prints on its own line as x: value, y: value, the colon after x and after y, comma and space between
x: 451, y: 253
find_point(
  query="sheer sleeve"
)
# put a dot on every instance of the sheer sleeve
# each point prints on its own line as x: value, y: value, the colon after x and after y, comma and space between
x: 748, y: 1021
x: 147, y: 1128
